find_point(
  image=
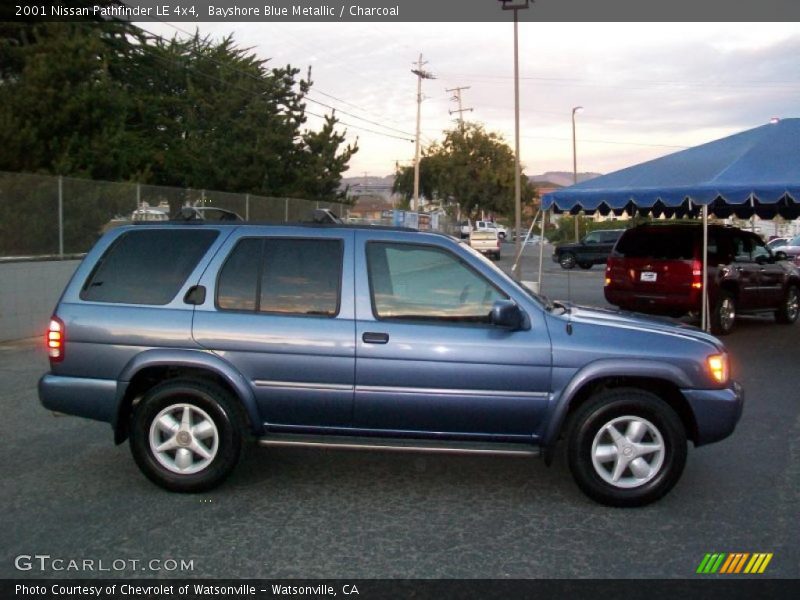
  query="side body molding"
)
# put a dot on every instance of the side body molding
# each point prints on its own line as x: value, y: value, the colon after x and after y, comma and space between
x: 197, y: 359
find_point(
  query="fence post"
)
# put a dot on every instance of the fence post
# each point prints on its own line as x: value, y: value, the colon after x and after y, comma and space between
x: 286, y: 213
x: 247, y: 207
x: 138, y: 196
x: 61, y: 216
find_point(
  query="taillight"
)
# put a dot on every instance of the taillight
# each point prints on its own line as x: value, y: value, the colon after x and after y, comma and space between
x: 697, y: 275
x: 55, y: 340
x: 608, y: 275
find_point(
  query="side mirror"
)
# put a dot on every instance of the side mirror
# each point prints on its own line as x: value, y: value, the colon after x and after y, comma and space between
x: 507, y: 315
x: 781, y: 255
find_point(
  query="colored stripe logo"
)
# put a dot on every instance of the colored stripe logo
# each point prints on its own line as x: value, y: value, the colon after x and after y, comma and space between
x: 734, y: 563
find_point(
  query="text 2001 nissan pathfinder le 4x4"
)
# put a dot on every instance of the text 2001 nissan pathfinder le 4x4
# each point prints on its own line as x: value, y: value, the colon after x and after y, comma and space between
x: 188, y: 338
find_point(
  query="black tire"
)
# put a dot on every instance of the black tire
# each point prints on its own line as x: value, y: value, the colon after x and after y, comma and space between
x: 790, y: 308
x: 723, y: 315
x: 210, y: 408
x: 585, y: 265
x: 567, y: 260
x: 622, y: 407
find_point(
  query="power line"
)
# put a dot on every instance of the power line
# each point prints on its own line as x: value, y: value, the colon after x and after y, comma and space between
x: 247, y: 91
x: 306, y: 96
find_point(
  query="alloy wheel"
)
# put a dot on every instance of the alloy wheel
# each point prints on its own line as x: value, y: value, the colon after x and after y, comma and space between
x: 628, y: 452
x: 184, y: 439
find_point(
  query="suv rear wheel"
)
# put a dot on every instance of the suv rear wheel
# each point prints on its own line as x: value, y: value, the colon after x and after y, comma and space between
x: 788, y: 311
x: 626, y: 447
x: 567, y: 260
x: 185, y: 435
x: 723, y: 316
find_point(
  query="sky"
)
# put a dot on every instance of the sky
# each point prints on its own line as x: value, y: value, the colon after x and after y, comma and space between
x: 647, y: 89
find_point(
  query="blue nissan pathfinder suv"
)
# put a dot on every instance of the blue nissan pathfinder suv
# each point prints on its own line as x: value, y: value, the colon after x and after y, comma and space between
x: 189, y: 338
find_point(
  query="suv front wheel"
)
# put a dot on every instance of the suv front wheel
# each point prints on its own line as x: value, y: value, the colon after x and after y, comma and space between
x: 567, y: 260
x: 626, y: 447
x: 185, y: 435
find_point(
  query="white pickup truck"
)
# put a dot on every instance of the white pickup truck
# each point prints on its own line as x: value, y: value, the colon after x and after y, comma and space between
x: 491, y: 225
x: 486, y: 242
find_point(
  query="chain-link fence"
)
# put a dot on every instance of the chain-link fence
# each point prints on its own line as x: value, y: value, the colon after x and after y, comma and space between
x: 42, y: 215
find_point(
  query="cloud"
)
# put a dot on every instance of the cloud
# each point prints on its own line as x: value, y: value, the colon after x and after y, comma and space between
x: 647, y: 87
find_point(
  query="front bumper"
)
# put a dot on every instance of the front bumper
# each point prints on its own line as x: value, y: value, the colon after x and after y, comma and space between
x: 716, y: 412
x: 79, y: 396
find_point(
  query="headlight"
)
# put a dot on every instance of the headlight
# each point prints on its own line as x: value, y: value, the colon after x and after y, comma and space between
x: 718, y: 367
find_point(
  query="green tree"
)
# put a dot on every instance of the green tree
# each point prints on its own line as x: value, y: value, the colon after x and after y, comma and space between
x: 61, y: 110
x: 108, y: 101
x: 471, y: 167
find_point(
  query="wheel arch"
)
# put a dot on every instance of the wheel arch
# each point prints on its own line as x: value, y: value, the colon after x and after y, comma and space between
x: 664, y: 381
x: 157, y: 366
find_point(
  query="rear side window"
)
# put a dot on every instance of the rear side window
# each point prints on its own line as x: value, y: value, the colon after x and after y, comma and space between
x: 664, y: 243
x: 148, y: 266
x: 282, y: 275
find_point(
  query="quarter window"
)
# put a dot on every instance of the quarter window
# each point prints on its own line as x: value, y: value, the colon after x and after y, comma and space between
x: 421, y: 282
x: 147, y: 266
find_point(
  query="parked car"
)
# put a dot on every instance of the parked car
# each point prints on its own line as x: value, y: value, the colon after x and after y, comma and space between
x: 189, y: 338
x: 791, y: 248
x: 593, y: 249
x: 491, y: 225
x: 465, y: 228
x: 658, y: 269
x: 486, y: 242
x: 777, y: 242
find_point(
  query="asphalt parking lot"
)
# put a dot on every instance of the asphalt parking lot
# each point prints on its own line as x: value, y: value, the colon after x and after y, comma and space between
x: 69, y: 493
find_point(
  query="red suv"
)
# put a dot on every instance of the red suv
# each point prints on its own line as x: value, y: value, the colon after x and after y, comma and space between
x: 658, y: 269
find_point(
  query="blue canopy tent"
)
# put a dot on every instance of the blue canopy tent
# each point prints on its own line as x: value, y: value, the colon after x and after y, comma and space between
x: 753, y: 172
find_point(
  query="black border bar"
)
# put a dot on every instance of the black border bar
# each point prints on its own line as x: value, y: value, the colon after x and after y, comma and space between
x: 706, y: 587
x: 281, y: 11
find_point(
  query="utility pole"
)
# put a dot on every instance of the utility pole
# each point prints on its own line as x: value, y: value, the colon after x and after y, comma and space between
x: 457, y: 98
x: 421, y: 74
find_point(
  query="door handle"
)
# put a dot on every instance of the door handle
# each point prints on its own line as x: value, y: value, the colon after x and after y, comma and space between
x: 371, y: 337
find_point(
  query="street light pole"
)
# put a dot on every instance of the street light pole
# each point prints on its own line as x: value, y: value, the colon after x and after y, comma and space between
x: 575, y: 110
x: 507, y: 5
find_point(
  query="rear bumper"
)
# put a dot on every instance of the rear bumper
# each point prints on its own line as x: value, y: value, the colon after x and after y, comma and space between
x: 716, y: 412
x: 653, y: 303
x: 82, y: 397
